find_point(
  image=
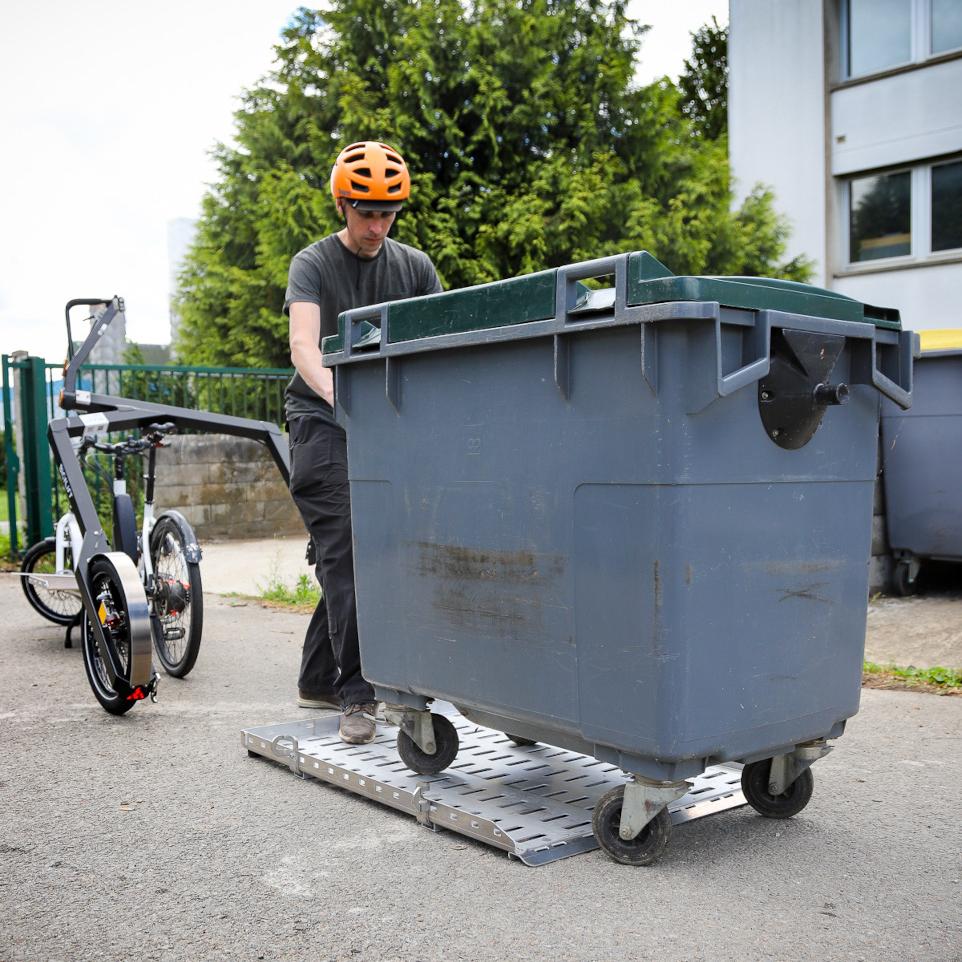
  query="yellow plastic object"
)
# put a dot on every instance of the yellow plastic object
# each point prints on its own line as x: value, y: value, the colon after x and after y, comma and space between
x: 947, y: 339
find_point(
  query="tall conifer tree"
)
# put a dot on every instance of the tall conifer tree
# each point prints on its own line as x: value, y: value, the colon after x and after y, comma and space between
x: 529, y: 144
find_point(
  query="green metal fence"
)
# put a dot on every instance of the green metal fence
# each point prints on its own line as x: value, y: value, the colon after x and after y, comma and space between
x: 243, y: 392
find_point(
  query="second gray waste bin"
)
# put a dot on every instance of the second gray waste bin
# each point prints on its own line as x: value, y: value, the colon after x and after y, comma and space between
x: 633, y: 522
x: 922, y: 463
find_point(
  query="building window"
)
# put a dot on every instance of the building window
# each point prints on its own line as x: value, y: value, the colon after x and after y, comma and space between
x: 879, y: 35
x: 946, y: 206
x: 882, y: 34
x: 913, y: 214
x: 946, y: 26
x: 880, y: 216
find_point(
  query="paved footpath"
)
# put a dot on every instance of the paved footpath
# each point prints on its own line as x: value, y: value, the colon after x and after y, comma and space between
x: 155, y: 836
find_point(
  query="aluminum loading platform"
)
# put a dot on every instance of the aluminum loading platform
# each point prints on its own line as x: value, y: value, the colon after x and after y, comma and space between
x: 533, y: 802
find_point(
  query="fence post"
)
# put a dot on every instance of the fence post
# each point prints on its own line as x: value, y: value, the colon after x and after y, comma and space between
x: 32, y: 420
x: 10, y: 451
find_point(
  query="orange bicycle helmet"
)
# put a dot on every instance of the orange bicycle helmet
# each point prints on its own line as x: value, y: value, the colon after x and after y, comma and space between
x: 370, y: 176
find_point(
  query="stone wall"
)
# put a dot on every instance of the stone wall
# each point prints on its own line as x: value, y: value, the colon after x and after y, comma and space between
x: 226, y: 487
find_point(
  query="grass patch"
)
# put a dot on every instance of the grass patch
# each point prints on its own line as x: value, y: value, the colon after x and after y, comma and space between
x: 6, y: 562
x: 305, y: 594
x: 943, y: 681
x: 4, y: 506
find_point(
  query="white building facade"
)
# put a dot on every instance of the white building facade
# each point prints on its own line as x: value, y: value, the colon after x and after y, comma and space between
x: 851, y: 110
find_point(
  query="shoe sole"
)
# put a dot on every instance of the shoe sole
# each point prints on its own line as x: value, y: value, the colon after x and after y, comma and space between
x: 357, y: 741
x: 315, y: 703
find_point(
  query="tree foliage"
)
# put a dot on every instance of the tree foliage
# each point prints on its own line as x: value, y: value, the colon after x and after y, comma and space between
x: 704, y: 81
x: 529, y: 145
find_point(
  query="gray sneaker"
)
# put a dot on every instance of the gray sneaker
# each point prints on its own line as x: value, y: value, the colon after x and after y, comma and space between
x: 308, y: 700
x: 357, y: 724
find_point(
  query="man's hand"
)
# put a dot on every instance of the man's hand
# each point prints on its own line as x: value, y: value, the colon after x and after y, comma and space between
x: 305, y: 336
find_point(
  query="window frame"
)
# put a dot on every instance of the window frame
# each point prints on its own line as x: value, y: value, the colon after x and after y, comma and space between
x: 945, y: 251
x: 920, y: 40
x: 929, y: 25
x: 920, y: 218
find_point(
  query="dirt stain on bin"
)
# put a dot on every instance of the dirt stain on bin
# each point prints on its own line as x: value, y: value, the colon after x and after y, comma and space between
x: 483, y: 589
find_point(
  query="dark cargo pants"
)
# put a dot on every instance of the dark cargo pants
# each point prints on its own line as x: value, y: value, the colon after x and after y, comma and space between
x: 331, y: 659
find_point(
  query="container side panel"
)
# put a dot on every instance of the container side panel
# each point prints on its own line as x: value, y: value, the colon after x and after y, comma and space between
x: 642, y: 568
x: 923, y: 485
x: 377, y: 583
x: 922, y: 458
x: 711, y: 616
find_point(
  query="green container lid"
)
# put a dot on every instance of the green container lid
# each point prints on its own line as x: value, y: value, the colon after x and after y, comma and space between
x: 531, y: 297
x: 650, y: 282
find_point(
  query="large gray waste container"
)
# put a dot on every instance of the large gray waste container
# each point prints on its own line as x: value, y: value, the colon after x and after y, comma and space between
x: 922, y: 462
x: 634, y: 522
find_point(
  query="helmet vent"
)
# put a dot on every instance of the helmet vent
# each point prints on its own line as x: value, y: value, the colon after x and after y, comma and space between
x: 362, y: 171
x: 354, y: 158
x: 359, y: 187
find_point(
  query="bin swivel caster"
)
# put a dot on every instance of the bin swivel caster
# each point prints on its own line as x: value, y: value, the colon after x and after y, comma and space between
x: 782, y: 786
x: 905, y: 576
x: 427, y: 743
x: 632, y: 823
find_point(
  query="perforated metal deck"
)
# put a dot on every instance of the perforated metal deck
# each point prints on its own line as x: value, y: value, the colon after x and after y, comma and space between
x: 535, y: 802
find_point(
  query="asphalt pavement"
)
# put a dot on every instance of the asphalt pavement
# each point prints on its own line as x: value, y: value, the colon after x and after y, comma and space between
x: 155, y: 836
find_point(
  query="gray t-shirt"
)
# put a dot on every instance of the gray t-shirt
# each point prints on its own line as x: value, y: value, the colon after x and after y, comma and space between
x: 329, y: 275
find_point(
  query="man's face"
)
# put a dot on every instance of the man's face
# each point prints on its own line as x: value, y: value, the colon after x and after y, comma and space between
x: 367, y: 229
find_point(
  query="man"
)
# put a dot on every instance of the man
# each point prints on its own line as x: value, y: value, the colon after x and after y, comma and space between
x: 355, y: 267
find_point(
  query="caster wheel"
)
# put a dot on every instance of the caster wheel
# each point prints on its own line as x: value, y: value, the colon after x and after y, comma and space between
x: 520, y: 741
x: 901, y: 583
x: 789, y: 803
x: 446, y: 745
x: 646, y: 848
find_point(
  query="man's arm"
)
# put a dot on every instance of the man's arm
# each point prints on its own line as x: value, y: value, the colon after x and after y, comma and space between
x: 305, y: 336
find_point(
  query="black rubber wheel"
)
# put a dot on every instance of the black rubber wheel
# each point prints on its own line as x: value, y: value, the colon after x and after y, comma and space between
x: 446, y: 743
x: 125, y: 526
x: 755, y: 789
x: 646, y: 848
x: 520, y: 741
x: 105, y: 584
x: 60, y: 607
x: 178, y: 599
x: 900, y: 581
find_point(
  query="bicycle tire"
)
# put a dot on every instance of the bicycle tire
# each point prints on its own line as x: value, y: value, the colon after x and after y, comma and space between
x: 103, y: 580
x: 56, y: 605
x: 178, y: 599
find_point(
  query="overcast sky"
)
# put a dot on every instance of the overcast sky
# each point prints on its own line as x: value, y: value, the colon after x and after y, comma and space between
x: 108, y: 111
